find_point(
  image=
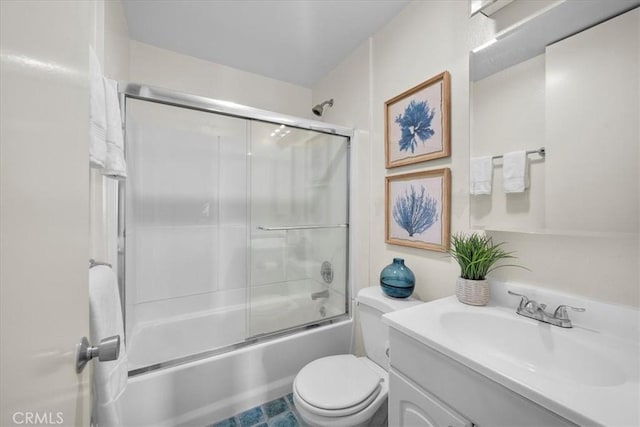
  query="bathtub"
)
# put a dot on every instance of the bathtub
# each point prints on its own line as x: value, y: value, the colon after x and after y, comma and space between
x: 199, y: 323
x: 216, y: 387
x: 187, y: 334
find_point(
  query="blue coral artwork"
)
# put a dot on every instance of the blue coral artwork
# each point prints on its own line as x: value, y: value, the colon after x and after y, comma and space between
x: 415, y: 211
x: 417, y: 123
x: 418, y: 211
x: 415, y: 207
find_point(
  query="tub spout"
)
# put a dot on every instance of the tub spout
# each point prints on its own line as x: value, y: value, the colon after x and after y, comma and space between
x: 321, y: 294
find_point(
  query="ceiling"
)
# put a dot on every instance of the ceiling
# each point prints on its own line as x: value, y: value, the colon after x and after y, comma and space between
x: 297, y: 41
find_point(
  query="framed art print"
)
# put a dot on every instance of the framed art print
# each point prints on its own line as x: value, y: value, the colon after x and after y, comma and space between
x: 417, y: 123
x: 418, y: 209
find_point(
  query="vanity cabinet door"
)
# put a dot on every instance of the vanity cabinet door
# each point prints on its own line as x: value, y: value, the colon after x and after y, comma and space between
x: 413, y: 407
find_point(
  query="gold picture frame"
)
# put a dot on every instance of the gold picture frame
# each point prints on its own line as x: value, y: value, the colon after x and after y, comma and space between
x: 418, y: 209
x: 417, y: 123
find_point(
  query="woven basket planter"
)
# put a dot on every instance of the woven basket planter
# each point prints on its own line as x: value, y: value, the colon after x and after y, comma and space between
x: 472, y: 292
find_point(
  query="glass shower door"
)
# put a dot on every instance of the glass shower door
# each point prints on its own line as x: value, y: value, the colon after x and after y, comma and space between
x: 298, y: 229
x: 186, y: 235
x: 234, y: 228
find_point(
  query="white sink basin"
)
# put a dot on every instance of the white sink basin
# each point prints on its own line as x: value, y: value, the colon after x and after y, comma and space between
x: 587, y: 374
x: 537, y: 347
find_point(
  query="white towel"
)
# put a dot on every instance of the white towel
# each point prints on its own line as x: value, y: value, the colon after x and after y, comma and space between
x: 114, y: 166
x: 515, y: 176
x: 97, y: 119
x: 109, y: 378
x: 481, y: 175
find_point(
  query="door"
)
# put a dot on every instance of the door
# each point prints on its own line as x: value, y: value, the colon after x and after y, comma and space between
x: 411, y: 406
x: 299, y: 227
x: 186, y: 233
x: 44, y: 218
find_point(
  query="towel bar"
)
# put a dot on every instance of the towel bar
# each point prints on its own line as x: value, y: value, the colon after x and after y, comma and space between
x: 541, y: 151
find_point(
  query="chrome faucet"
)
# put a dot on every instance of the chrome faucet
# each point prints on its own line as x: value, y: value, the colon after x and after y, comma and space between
x: 533, y: 310
x: 321, y: 294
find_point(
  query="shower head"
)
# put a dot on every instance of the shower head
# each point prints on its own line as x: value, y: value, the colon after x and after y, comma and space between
x: 317, y: 110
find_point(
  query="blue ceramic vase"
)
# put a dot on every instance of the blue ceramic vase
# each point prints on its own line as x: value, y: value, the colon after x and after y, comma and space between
x: 397, y: 280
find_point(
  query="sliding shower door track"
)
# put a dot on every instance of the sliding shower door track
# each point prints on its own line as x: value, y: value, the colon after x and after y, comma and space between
x: 201, y: 103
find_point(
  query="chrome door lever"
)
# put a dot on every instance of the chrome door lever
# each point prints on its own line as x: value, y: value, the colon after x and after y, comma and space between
x: 108, y: 349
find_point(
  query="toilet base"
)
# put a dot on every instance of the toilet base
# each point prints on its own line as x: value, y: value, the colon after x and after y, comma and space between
x: 379, y: 419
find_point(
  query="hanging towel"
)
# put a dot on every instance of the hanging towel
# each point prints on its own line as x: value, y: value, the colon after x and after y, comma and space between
x: 97, y: 119
x: 109, y: 378
x: 481, y: 175
x: 114, y: 166
x: 515, y: 177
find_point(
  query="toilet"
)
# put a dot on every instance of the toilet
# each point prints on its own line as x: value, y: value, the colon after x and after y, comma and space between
x: 346, y: 390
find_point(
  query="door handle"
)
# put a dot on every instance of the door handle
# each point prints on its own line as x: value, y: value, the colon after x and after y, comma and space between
x: 108, y: 349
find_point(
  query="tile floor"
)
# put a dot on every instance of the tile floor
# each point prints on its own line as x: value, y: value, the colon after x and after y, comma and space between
x: 280, y: 412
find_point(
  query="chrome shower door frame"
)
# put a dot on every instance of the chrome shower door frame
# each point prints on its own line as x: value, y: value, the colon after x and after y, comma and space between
x: 199, y: 103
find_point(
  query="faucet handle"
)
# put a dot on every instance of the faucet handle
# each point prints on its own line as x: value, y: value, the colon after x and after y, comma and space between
x: 517, y: 294
x: 524, y: 301
x: 561, y: 311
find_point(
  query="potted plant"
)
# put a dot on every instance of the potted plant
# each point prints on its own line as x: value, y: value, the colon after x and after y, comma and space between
x: 477, y: 255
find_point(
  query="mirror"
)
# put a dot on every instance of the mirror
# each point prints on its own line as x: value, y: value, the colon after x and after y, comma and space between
x: 566, y: 78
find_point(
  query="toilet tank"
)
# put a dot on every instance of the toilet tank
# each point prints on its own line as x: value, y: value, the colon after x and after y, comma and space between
x: 372, y: 304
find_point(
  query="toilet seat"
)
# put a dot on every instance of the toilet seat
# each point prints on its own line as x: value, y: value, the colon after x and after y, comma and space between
x: 337, y: 386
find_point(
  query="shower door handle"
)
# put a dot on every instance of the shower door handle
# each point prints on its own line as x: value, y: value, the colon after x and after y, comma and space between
x: 107, y: 350
x: 300, y: 227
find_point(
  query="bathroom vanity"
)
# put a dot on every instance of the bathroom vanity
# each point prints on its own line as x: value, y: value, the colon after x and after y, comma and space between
x: 458, y: 365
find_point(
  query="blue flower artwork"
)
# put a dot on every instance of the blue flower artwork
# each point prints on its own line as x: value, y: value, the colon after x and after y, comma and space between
x: 415, y: 212
x: 415, y: 124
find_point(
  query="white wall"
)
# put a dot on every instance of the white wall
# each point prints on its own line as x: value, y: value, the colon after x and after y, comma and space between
x: 599, y: 268
x: 116, y: 41
x: 163, y: 68
x: 423, y: 40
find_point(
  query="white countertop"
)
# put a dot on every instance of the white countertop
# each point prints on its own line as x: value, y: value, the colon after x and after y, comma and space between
x: 587, y: 374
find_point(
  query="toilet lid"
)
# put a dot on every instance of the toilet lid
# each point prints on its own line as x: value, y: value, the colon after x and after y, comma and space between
x: 336, y: 382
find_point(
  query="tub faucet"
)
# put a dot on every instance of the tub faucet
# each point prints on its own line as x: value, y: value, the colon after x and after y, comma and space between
x: 321, y: 294
x: 533, y: 310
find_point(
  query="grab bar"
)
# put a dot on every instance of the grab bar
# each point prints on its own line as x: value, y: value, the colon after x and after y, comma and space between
x: 300, y: 227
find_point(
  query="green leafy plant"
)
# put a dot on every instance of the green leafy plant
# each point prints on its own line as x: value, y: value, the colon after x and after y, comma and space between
x: 477, y: 254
